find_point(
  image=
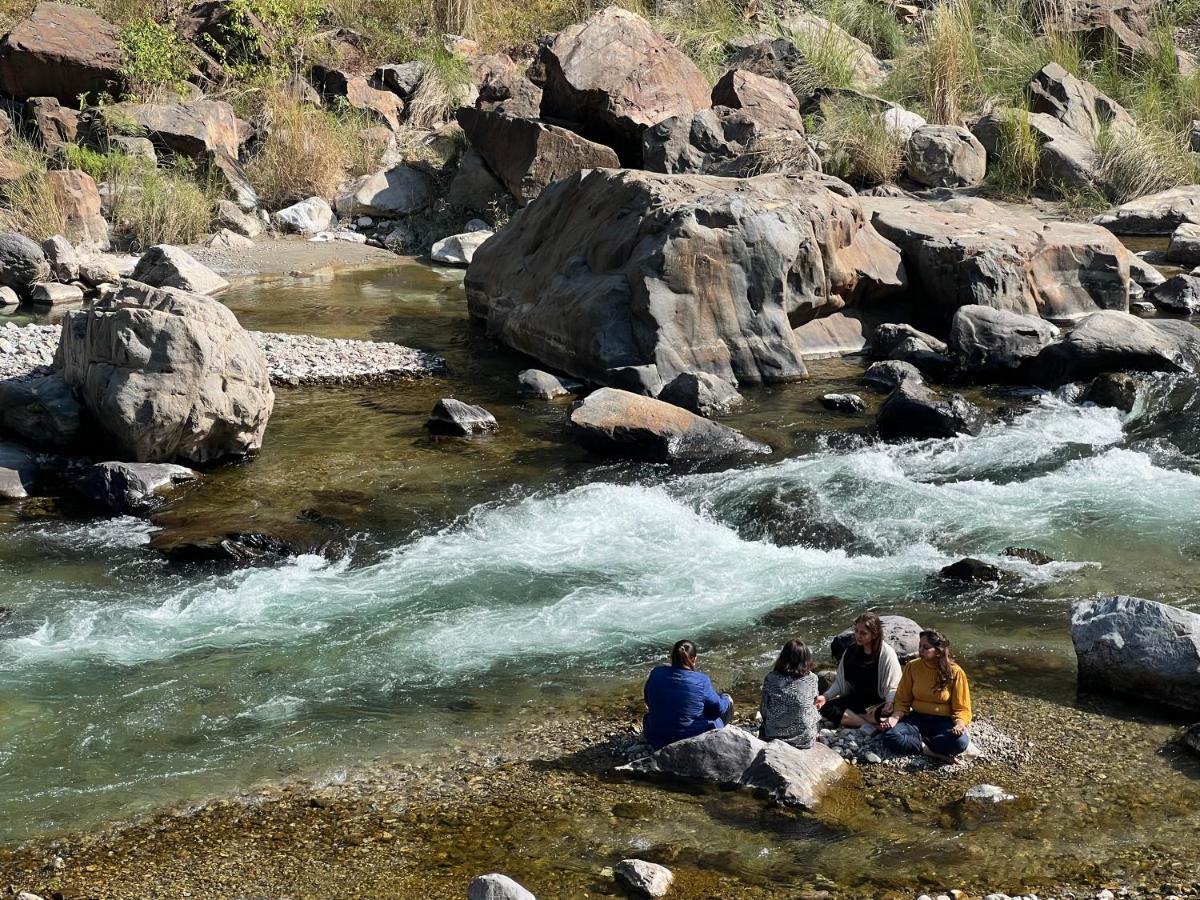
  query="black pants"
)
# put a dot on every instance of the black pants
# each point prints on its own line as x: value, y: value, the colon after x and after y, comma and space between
x: 833, y: 710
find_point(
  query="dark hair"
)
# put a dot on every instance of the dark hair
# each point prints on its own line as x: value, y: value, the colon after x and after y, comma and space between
x: 945, y: 660
x: 683, y: 654
x: 874, y: 624
x: 795, y: 659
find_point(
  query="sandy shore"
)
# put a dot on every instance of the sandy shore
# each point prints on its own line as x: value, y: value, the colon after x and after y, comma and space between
x: 293, y: 256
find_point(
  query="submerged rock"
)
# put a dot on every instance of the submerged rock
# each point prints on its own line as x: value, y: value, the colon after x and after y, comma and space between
x: 846, y: 403
x: 971, y: 569
x: 621, y: 423
x: 131, y: 488
x: 1140, y: 649
x: 899, y: 632
x: 915, y: 411
x: 1117, y: 390
x: 544, y: 386
x: 1037, y: 557
x: 235, y: 548
x: 987, y: 793
x: 453, y: 417
x: 496, y: 887
x: 644, y: 878
x: 705, y: 395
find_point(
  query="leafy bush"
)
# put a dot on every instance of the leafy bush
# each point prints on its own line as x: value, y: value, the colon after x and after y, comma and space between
x: 153, y: 58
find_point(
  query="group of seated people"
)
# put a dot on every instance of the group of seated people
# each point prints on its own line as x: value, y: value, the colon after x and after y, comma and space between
x: 924, y: 707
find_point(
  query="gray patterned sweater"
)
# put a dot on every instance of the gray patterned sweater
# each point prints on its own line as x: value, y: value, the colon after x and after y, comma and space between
x: 789, y: 712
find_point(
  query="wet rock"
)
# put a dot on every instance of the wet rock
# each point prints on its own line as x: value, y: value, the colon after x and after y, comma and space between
x: 890, y: 335
x: 1189, y: 738
x: 899, y: 632
x: 544, y: 386
x: 61, y: 51
x: 1184, y: 248
x: 1115, y: 341
x: 54, y: 125
x: 41, y: 411
x: 890, y: 374
x: 234, y: 548
x: 173, y: 267
x: 398, y: 191
x: 997, y: 342
x: 458, y: 249
x: 460, y: 419
x: 78, y: 198
x: 167, y: 375
x: 496, y: 887
x: 1160, y: 213
x: 131, y: 488
x: 929, y: 362
x: 576, y: 265
x: 644, y: 878
x: 915, y: 411
x: 846, y: 403
x: 971, y: 569
x: 987, y: 793
x: 613, y: 76
x: 1118, y: 390
x: 22, y: 263
x: 701, y: 393
x: 309, y: 216
x: 945, y: 156
x: 51, y: 293
x: 1140, y: 649
x: 1179, y: 294
x: 18, y: 471
x: 63, y: 260
x: 1037, y: 557
x: 527, y: 155
x: 720, y: 757
x: 620, y: 423
x: 230, y: 215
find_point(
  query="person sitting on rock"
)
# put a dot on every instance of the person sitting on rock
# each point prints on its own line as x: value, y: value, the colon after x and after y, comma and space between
x: 867, y: 676
x: 933, y: 705
x: 681, y: 702
x: 789, y: 711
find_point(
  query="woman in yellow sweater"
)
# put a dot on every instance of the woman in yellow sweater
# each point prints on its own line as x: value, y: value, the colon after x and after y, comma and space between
x: 933, y: 705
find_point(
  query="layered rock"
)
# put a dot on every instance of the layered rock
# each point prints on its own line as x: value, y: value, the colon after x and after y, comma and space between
x: 358, y: 93
x: 613, y: 269
x: 78, y: 198
x: 1159, y: 213
x: 61, y: 51
x: 167, y: 375
x: 613, y: 76
x: 724, y: 141
x: 194, y: 129
x: 1105, y: 24
x: 1139, y: 648
x: 54, y: 125
x: 968, y: 251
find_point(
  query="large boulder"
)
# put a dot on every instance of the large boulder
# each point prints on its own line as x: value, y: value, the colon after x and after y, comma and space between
x: 1178, y: 295
x: 1140, y: 649
x: 620, y: 423
x: 458, y: 249
x: 167, y: 266
x: 167, y: 375
x: 474, y: 188
x: 613, y: 269
x: 61, y: 51
x: 1116, y: 341
x: 945, y: 156
x: 41, y: 411
x: 913, y: 410
x: 196, y: 129
x: 527, y: 155
x: 1078, y: 104
x: 995, y: 341
x: 792, y: 777
x: 1104, y: 25
x: 131, y: 488
x: 1159, y: 213
x: 22, y: 263
x: 969, y: 251
x: 1066, y: 158
x: 724, y: 141
x: 1184, y: 249
x: 703, y: 394
x: 394, y: 192
x: 768, y: 101
x: 78, y: 198
x: 53, y: 125
x: 358, y: 93
x: 899, y: 632
x: 613, y: 76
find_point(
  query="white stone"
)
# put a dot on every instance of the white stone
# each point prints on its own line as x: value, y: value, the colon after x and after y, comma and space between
x: 645, y: 878
x: 51, y: 293
x: 477, y: 225
x: 497, y: 887
x: 173, y: 267
x: 901, y: 123
x: 306, y: 217
x: 988, y: 793
x: 365, y: 222
x: 225, y: 239
x: 8, y: 297
x: 349, y: 237
x: 458, y: 249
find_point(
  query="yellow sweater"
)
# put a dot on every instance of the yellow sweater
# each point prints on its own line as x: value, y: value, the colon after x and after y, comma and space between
x: 918, y: 692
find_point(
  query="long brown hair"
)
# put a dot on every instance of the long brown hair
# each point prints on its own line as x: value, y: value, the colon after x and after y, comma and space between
x: 945, y: 662
x: 795, y: 659
x: 683, y: 654
x: 873, y: 624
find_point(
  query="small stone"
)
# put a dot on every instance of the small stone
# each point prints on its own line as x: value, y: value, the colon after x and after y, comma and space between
x: 496, y: 887
x: 987, y: 793
x: 453, y: 417
x: 971, y: 569
x: 365, y: 222
x: 647, y: 879
x: 544, y: 386
x: 846, y: 403
x: 872, y: 757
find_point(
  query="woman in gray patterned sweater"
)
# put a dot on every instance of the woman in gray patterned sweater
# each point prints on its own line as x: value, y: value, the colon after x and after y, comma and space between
x: 789, y: 709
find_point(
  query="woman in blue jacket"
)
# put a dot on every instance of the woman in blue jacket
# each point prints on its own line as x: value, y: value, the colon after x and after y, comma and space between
x: 681, y: 702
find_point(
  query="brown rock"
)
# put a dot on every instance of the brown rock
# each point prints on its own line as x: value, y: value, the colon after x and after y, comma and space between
x: 232, y: 29
x: 60, y: 51
x: 527, y: 155
x: 79, y: 199
x: 1078, y: 104
x: 613, y: 76
x: 770, y: 103
x: 1124, y: 24
x: 53, y: 123
x: 503, y: 87
x: 193, y: 129
x: 356, y: 90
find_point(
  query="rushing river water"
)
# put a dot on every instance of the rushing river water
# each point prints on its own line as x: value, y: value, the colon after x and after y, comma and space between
x: 473, y: 581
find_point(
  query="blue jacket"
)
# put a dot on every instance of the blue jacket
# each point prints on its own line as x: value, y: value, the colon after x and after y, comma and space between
x: 680, y: 704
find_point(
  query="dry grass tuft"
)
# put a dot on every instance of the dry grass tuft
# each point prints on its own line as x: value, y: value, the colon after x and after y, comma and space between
x: 304, y: 154
x: 861, y: 149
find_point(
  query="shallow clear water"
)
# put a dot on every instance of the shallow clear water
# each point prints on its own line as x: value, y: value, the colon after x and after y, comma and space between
x: 478, y: 580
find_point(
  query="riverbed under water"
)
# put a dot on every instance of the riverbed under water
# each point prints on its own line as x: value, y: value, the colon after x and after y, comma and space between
x: 465, y: 585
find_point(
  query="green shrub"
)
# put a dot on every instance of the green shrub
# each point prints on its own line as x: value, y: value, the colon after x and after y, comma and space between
x: 872, y: 22
x: 861, y: 149
x: 701, y: 29
x: 304, y: 153
x: 151, y: 206
x: 28, y: 203
x: 153, y: 57
x: 1012, y: 169
x: 827, y: 60
x: 1131, y: 165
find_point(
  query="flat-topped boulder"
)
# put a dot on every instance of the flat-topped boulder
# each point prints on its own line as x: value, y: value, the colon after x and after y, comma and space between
x: 613, y: 269
x: 1159, y: 213
x: 971, y: 252
x: 769, y: 101
x: 733, y: 756
x: 995, y: 341
x: 61, y: 51
x: 1115, y: 341
x: 166, y: 266
x: 1140, y: 649
x: 131, y: 488
x: 619, y: 423
x: 193, y: 129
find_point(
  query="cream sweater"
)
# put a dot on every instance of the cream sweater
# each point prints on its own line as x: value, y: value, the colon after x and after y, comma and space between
x: 889, y: 676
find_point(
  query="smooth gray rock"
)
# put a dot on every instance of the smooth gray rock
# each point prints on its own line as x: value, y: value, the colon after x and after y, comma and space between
x: 458, y: 249
x: 792, y: 777
x: 1159, y: 213
x: 1117, y: 390
x: 1116, y: 341
x: 721, y: 756
x: 310, y: 216
x: 390, y: 193
x: 228, y: 240
x: 63, y: 260
x: 475, y: 188
x: 1140, y: 649
x: 8, y: 297
x: 644, y: 878
x: 131, y: 488
x: 51, y: 293
x: 231, y: 216
x: 41, y: 411
x: 173, y: 267
x: 846, y: 403
x: 453, y: 417
x: 890, y: 335
x: 945, y: 156
x: 901, y: 634
x: 890, y: 373
x: 703, y: 394
x: 1179, y: 294
x: 496, y: 887
x: 22, y: 263
x: 1184, y: 248
x: 997, y: 342
x: 544, y: 386
x: 915, y: 411
x: 620, y: 423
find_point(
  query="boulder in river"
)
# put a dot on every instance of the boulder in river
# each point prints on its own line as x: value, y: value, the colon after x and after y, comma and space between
x: 619, y: 423
x: 845, y: 403
x: 167, y: 375
x: 1029, y: 555
x: 1160, y: 213
x: 1113, y: 341
x: 51, y: 293
x: 173, y: 267
x: 544, y: 386
x: 901, y: 633
x: 1179, y: 294
x: 1116, y: 390
x: 705, y: 395
x: 131, y: 488
x: 237, y: 548
x: 971, y: 569
x: 889, y: 374
x: 792, y: 777
x: 644, y: 878
x: 913, y: 410
x: 1140, y: 649
x: 987, y: 793
x: 1184, y: 248
x: 602, y: 273
x: 453, y: 417
x: 997, y: 342
x: 496, y: 887
x: 41, y: 411
x: 1189, y: 738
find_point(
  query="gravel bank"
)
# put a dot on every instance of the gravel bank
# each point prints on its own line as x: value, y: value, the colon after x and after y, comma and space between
x: 292, y: 359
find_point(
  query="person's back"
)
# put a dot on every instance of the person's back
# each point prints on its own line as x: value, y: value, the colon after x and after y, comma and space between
x: 681, y: 702
x: 789, y: 708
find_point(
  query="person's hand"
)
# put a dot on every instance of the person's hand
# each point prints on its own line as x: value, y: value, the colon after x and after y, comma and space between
x: 820, y: 701
x: 888, y: 723
x: 959, y: 728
